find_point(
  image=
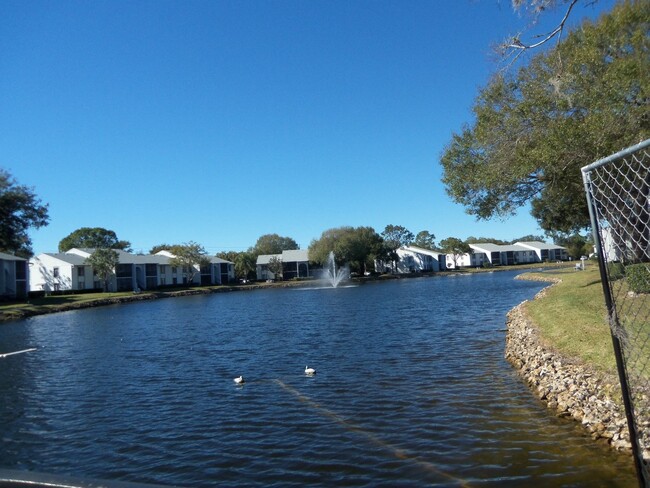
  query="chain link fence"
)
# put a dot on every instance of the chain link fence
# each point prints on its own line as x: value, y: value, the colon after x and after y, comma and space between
x: 618, y: 194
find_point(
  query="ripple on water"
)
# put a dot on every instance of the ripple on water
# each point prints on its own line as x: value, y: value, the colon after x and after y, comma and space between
x: 411, y: 389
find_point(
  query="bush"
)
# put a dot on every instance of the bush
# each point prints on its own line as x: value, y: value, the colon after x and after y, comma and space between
x: 638, y: 277
x: 615, y: 271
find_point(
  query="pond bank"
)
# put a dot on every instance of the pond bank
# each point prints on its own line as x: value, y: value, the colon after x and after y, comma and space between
x: 566, y: 385
x: 30, y: 308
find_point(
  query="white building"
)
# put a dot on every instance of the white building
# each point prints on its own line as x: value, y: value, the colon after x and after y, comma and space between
x: 69, y: 271
x: 414, y: 259
x: 295, y: 264
x: 60, y: 271
x: 487, y: 253
x: 545, y: 252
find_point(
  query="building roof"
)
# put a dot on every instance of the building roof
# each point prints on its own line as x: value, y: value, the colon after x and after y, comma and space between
x: 10, y: 257
x: 73, y: 259
x: 217, y: 260
x: 266, y: 258
x: 291, y: 256
x: 489, y: 247
x: 421, y: 250
x: 296, y: 255
x: 539, y: 245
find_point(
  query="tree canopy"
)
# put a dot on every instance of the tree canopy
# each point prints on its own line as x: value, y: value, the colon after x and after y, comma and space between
x: 395, y: 236
x: 425, y: 240
x: 355, y: 246
x: 533, y: 130
x: 93, y: 237
x: 103, y: 262
x: 161, y: 247
x: 454, y: 246
x: 475, y: 240
x: 190, y: 257
x: 20, y: 210
x: 273, y: 244
x: 245, y: 263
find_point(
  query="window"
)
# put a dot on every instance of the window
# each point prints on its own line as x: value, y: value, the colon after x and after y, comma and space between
x: 55, y: 272
x: 81, y: 271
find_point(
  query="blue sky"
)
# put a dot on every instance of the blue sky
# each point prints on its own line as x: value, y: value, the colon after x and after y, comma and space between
x: 220, y: 121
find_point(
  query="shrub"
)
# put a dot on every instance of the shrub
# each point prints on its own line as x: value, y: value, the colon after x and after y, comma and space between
x: 615, y: 271
x: 638, y: 277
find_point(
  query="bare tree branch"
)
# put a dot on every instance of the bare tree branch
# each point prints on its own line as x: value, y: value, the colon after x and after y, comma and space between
x: 515, y: 43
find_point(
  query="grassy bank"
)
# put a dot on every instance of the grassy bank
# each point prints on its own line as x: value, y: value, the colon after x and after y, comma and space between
x: 52, y: 304
x: 62, y: 303
x: 572, y: 318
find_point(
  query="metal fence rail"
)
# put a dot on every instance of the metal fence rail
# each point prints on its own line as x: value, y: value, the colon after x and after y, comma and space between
x: 618, y: 194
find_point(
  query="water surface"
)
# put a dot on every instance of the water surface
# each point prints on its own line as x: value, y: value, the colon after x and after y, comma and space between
x: 411, y: 390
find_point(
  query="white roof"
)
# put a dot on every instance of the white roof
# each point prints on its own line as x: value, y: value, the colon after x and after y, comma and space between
x: 539, y: 245
x: 489, y: 247
x: 291, y: 256
x: 167, y: 255
x: 266, y: 258
x: 73, y: 259
x: 296, y: 255
x: 421, y: 250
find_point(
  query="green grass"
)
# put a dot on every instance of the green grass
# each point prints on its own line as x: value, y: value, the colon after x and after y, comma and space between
x: 572, y: 318
x: 58, y: 303
x: 52, y: 304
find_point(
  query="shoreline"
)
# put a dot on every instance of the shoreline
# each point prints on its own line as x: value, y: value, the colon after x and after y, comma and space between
x: 8, y: 314
x: 567, y: 386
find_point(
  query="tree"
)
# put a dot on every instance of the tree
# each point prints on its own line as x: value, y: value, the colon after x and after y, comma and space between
x: 528, y: 238
x: 576, y: 244
x: 425, y: 240
x: 357, y: 247
x: 533, y: 130
x: 94, y: 238
x: 161, y: 247
x: 245, y: 266
x: 245, y: 263
x: 20, y: 210
x: 514, y: 47
x: 190, y: 257
x: 273, y: 244
x: 103, y: 261
x: 395, y: 236
x: 474, y: 240
x: 275, y: 267
x: 456, y: 247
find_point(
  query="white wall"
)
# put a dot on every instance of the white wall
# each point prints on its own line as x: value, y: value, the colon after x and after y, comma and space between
x: 41, y: 274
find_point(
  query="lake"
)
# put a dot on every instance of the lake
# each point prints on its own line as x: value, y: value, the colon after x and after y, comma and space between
x: 411, y: 389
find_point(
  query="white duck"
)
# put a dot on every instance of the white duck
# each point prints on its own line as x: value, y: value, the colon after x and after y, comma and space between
x: 239, y: 380
x: 310, y: 371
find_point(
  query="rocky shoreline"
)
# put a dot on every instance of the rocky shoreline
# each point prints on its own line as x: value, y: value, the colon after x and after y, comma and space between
x: 567, y: 386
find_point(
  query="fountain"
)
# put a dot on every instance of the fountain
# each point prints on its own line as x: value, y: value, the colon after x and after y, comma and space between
x: 331, y: 274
